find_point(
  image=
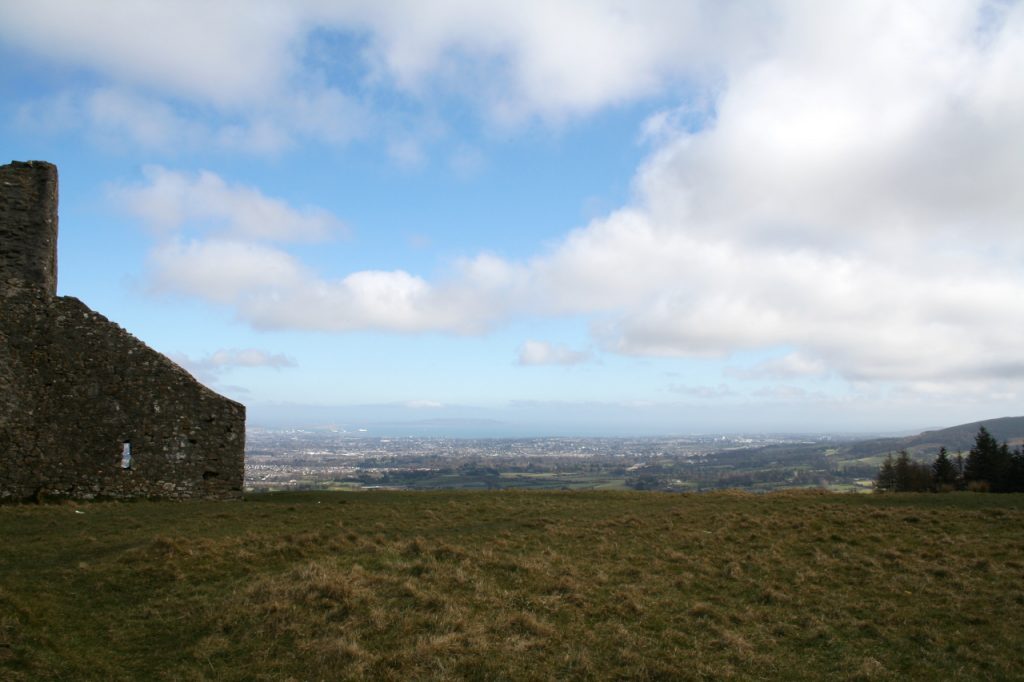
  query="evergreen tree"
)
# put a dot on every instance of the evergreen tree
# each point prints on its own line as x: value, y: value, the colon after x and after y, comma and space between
x: 886, y: 481
x: 944, y: 471
x: 903, y: 471
x: 1002, y: 479
x: 958, y: 462
x: 911, y: 476
x: 1015, y: 479
x: 987, y: 463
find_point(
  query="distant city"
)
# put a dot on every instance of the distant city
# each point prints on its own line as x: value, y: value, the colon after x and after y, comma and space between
x: 328, y: 459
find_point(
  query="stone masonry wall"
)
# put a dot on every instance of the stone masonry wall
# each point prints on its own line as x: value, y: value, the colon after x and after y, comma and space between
x: 28, y: 227
x: 84, y: 388
x: 77, y: 391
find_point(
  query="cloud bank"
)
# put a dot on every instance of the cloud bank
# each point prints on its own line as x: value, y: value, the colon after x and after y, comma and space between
x: 838, y: 183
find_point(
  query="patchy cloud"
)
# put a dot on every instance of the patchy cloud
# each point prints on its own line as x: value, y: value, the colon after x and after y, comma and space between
x: 209, y: 369
x: 188, y: 75
x: 263, y: 80
x: 407, y: 153
x: 533, y: 353
x: 170, y: 200
x: 248, y: 357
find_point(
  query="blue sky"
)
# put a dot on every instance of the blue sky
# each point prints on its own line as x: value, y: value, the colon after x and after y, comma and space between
x: 547, y: 217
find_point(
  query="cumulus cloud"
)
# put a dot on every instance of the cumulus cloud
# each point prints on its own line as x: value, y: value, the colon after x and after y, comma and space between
x: 223, y: 271
x: 544, y: 353
x: 225, y: 52
x: 270, y: 289
x: 222, y: 242
x: 839, y: 180
x: 169, y: 200
x: 617, y: 52
x: 188, y: 74
x: 845, y: 201
x: 388, y: 300
x: 265, y: 77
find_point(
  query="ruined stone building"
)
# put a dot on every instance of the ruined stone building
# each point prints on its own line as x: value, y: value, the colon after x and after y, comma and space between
x: 86, y: 409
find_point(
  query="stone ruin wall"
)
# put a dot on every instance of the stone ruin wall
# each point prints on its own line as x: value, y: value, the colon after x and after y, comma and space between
x: 77, y: 390
x: 28, y: 228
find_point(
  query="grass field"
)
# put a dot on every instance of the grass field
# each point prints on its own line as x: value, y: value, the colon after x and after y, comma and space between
x: 516, y: 585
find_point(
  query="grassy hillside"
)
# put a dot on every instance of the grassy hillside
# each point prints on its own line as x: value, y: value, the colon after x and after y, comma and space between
x: 516, y: 585
x: 962, y: 437
x: 954, y: 438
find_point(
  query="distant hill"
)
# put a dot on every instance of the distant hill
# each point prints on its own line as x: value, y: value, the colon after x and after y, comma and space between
x: 857, y: 458
x: 954, y: 438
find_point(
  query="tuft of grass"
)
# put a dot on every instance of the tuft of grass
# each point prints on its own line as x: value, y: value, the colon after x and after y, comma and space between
x: 516, y: 585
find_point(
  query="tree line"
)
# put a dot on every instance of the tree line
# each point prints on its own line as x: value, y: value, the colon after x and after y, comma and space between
x: 988, y: 467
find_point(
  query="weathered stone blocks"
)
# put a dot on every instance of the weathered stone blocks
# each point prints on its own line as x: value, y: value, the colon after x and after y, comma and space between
x: 78, y: 393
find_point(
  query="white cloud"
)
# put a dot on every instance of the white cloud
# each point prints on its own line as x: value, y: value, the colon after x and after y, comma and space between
x: 542, y: 58
x: 854, y: 197
x: 847, y: 202
x: 270, y: 289
x: 169, y: 200
x: 262, y: 76
x: 223, y: 271
x: 394, y: 301
x: 188, y: 74
x: 226, y: 53
x: 533, y: 353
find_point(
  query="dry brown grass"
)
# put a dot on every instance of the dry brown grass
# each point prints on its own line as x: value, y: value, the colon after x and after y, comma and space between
x: 512, y: 585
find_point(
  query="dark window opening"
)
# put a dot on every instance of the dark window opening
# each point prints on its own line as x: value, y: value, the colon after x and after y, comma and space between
x: 126, y: 455
x: 207, y: 475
